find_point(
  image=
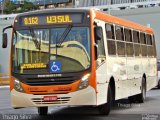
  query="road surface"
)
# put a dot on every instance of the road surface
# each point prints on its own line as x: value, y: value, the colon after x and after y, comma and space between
x: 121, y: 110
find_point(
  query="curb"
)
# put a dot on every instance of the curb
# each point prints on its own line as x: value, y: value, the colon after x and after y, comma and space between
x: 4, y: 87
x: 4, y: 81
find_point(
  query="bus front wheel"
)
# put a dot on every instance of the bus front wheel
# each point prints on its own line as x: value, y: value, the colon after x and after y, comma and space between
x: 105, y: 108
x: 42, y: 110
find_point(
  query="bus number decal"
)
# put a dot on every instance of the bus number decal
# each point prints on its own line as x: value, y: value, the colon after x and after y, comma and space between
x: 31, y: 21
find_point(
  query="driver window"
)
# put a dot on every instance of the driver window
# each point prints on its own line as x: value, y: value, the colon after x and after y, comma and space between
x: 101, y: 56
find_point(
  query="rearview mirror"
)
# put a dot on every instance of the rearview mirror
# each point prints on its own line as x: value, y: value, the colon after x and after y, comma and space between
x: 4, y: 40
x: 5, y: 37
x: 98, y: 33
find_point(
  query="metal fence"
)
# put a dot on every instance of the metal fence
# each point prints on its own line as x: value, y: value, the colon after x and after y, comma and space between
x: 129, y: 1
x: 86, y: 3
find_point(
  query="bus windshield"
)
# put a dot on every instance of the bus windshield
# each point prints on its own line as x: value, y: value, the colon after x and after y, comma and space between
x: 45, y: 49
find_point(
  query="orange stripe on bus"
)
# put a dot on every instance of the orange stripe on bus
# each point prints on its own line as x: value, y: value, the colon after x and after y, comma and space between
x: 119, y: 21
x: 52, y: 89
x: 92, y: 80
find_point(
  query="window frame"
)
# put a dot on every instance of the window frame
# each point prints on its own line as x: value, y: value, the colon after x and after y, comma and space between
x: 122, y: 32
x: 111, y: 40
x: 143, y: 41
x: 133, y: 31
x: 128, y: 30
x: 112, y: 31
x: 137, y: 43
x: 151, y: 39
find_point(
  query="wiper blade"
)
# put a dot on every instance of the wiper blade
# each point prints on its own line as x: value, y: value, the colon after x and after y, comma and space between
x: 36, y: 42
x: 64, y: 35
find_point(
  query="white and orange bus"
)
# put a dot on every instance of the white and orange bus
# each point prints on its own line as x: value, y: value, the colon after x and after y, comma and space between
x: 73, y: 57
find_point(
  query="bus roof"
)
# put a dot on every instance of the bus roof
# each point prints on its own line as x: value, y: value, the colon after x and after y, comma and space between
x: 55, y: 10
x: 99, y: 15
x: 122, y: 22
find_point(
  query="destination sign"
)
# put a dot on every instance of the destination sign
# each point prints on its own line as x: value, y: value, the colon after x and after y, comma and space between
x: 33, y: 66
x: 51, y: 19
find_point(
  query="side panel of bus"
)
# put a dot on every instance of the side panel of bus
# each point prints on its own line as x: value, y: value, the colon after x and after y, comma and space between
x: 126, y: 71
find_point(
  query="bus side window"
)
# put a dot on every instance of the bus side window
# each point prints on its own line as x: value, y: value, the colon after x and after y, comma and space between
x: 143, y: 38
x: 136, y: 40
x: 128, y: 35
x: 120, y: 41
x: 119, y: 33
x: 110, y: 31
x: 143, y: 44
x: 110, y: 39
x: 136, y: 37
x: 149, y: 39
x: 129, y: 43
x: 129, y: 49
x: 149, y: 45
x: 120, y: 48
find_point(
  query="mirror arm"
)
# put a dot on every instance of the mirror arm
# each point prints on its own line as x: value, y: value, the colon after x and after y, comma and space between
x: 7, y: 28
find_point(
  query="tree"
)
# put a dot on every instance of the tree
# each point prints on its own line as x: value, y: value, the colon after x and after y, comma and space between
x: 28, y: 6
x: 9, y: 8
x: 19, y: 8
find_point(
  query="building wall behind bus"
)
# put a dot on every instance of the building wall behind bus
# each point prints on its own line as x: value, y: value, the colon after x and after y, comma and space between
x: 4, y: 52
x: 145, y: 16
x: 86, y: 3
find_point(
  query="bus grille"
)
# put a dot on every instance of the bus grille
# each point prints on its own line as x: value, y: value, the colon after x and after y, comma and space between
x: 50, y: 81
x: 60, y: 100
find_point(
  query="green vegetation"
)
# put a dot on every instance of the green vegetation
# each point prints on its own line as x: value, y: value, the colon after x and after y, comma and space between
x: 14, y: 8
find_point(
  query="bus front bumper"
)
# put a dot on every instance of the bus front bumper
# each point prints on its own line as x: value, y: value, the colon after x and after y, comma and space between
x: 82, y: 97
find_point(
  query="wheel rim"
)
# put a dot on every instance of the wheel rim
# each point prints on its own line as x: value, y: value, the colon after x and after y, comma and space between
x: 144, y: 94
x: 144, y: 91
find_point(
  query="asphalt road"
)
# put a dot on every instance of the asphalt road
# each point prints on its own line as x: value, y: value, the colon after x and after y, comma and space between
x: 121, y: 110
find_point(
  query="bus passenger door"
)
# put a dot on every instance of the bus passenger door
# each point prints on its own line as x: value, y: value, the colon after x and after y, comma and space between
x: 101, y: 66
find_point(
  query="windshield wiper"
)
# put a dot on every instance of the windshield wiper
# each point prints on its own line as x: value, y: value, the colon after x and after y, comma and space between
x: 64, y: 35
x: 36, y: 42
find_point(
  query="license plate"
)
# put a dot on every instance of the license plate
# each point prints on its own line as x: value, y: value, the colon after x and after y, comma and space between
x: 50, y: 98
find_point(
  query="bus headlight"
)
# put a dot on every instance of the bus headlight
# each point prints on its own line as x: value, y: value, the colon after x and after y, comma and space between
x: 84, y: 82
x: 17, y: 86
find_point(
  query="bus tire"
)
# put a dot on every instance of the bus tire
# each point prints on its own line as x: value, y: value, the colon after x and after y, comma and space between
x: 42, y: 111
x: 158, y: 84
x: 132, y: 99
x: 140, y: 98
x: 105, y: 108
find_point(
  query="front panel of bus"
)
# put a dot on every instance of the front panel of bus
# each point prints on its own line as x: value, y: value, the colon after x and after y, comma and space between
x: 51, y: 59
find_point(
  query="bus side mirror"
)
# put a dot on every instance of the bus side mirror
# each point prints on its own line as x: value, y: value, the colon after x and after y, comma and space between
x: 4, y: 40
x: 98, y: 33
x: 5, y: 37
